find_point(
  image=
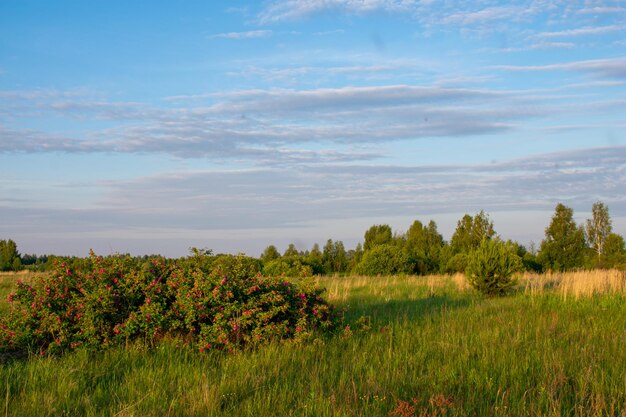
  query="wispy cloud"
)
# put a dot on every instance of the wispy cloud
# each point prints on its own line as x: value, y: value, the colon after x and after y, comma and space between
x: 535, y: 46
x: 251, y: 34
x: 269, y: 127
x: 526, y: 20
x: 293, y: 9
x: 330, y: 32
x: 484, y: 15
x: 602, y: 10
x: 252, y: 124
x: 611, y: 67
x: 552, y: 45
x: 388, y: 69
x: 584, y: 31
x: 238, y: 10
x: 181, y: 205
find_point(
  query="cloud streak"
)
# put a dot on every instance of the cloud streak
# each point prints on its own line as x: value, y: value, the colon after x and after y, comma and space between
x: 286, y: 200
x: 285, y: 126
x: 295, y: 9
x: 612, y: 67
x: 251, y: 34
x: 252, y: 124
x: 584, y: 31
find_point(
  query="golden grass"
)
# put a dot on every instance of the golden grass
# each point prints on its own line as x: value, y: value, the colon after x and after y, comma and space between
x: 20, y: 275
x: 574, y: 285
x: 17, y: 274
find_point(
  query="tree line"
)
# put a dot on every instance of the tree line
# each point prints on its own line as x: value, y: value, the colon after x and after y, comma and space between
x: 420, y: 250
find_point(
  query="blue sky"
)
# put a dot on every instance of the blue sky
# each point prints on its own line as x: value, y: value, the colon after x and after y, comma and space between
x: 150, y: 127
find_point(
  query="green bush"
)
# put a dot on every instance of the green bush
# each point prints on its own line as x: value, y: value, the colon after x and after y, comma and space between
x: 288, y: 266
x: 103, y: 302
x: 457, y: 263
x: 384, y: 259
x: 491, y: 266
x: 235, y: 266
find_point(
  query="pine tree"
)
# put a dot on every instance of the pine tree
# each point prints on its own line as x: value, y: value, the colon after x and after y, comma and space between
x: 491, y: 266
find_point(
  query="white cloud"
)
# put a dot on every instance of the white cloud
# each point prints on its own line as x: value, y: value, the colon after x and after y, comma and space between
x: 252, y: 124
x: 270, y: 202
x: 602, y: 10
x: 583, y: 31
x: 330, y: 32
x: 281, y: 126
x: 251, y: 34
x: 484, y: 15
x: 294, y: 9
x: 524, y: 21
x: 611, y: 67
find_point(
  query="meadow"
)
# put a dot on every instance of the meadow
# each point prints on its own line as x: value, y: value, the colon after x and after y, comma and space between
x: 411, y: 346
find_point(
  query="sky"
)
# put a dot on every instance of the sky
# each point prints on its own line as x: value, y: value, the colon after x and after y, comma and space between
x: 154, y: 126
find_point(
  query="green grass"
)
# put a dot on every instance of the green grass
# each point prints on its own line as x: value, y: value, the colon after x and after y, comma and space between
x: 524, y: 355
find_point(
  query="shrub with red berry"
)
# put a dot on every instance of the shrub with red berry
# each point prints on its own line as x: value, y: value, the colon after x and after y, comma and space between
x: 101, y: 302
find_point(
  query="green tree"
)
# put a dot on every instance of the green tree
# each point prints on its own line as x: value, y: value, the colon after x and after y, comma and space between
x: 289, y: 266
x: 491, y: 266
x: 327, y: 256
x: 269, y: 254
x: 614, y: 252
x: 356, y: 257
x: 291, y: 250
x: 384, y: 259
x: 379, y: 234
x: 564, y: 245
x: 468, y: 235
x: 340, y: 262
x: 315, y: 260
x: 598, y: 228
x: 423, y: 246
x: 334, y: 257
x: 9, y: 256
x: 471, y: 231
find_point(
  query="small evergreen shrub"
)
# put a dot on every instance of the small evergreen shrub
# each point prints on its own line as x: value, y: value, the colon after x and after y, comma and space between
x: 491, y: 266
x: 110, y: 301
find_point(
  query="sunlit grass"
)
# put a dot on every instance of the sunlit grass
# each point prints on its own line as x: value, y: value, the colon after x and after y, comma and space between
x: 554, y: 348
x: 7, y: 284
x: 576, y: 284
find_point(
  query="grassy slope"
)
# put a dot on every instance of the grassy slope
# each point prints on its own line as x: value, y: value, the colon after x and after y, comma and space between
x: 521, y: 355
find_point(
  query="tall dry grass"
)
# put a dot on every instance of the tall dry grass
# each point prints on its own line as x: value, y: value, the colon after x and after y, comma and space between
x: 575, y: 285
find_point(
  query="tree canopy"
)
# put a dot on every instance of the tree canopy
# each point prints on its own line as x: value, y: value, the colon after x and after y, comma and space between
x: 564, y: 245
x: 9, y: 256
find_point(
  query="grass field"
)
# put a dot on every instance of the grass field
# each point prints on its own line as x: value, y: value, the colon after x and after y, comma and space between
x: 433, y: 347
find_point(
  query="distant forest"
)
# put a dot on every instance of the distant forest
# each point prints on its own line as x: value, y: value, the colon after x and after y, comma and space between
x: 420, y: 250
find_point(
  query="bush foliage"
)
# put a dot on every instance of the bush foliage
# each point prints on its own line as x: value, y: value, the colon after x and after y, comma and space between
x: 383, y: 259
x: 491, y: 266
x: 102, y: 302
